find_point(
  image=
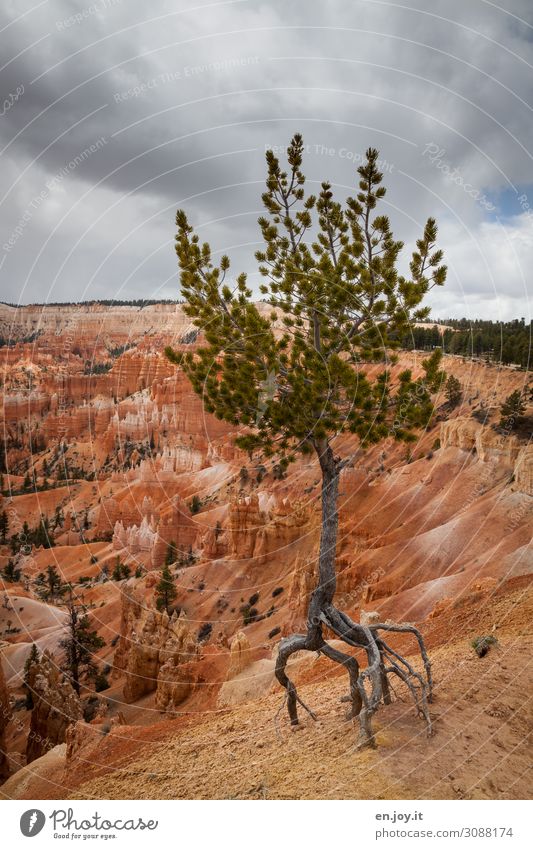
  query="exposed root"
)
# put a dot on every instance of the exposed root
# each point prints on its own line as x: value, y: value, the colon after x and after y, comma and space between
x: 383, y: 662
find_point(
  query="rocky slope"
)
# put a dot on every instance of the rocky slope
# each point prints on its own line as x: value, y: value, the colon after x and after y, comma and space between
x: 106, y: 439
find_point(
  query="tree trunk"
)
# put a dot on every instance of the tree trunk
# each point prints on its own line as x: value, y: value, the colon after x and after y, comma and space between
x: 327, y: 582
x: 321, y: 612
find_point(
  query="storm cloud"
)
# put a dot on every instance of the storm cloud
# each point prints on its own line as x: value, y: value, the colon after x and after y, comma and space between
x: 114, y: 114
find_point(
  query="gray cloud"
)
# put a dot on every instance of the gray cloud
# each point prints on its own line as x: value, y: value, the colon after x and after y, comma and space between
x: 181, y: 100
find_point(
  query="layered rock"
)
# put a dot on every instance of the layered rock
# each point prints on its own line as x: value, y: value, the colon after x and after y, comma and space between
x: 253, y: 532
x: 244, y: 521
x: 287, y: 521
x: 56, y: 705
x: 303, y: 582
x: 149, y: 641
x: 175, y: 681
x: 523, y: 471
x: 490, y: 444
x: 5, y: 715
x: 239, y: 655
x: 176, y: 527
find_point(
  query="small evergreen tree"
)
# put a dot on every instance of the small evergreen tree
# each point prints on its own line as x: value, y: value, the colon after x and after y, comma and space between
x: 101, y: 681
x: 58, y: 518
x: 435, y: 377
x: 54, y: 582
x: 121, y: 571
x: 42, y: 536
x: 117, y: 571
x: 80, y: 644
x: 33, y: 657
x: 11, y: 572
x: 171, y: 554
x: 4, y: 525
x: 165, y: 590
x: 453, y: 391
x: 512, y: 409
x: 196, y: 504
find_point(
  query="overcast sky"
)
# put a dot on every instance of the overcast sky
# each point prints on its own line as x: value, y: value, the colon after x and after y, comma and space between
x: 115, y: 113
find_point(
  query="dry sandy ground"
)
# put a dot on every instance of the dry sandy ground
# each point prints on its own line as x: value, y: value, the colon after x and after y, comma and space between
x: 481, y: 748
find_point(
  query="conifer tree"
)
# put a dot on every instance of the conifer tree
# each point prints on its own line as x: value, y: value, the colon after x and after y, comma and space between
x: 165, y: 590
x: 54, y: 581
x: 4, y: 525
x: 453, y: 391
x: 170, y: 556
x: 80, y: 644
x: 512, y: 409
x: 43, y: 535
x: 33, y: 657
x: 11, y: 572
x: 295, y: 376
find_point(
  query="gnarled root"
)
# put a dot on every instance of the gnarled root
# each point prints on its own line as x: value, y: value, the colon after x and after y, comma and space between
x: 383, y: 662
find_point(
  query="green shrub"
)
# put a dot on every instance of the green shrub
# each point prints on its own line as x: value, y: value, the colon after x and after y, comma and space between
x: 205, y: 632
x: 196, y: 504
x: 482, y: 645
x: 101, y: 682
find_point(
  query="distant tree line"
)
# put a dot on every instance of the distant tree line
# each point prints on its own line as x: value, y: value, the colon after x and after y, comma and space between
x: 508, y: 342
x: 110, y: 302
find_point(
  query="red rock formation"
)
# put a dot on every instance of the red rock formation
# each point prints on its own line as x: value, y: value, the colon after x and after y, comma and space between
x: 5, y: 715
x: 176, y: 527
x: 240, y: 654
x: 56, y: 705
x: 152, y: 645
x: 244, y: 521
x: 303, y: 582
x: 256, y: 533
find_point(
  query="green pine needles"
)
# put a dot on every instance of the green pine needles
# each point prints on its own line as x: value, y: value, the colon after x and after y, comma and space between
x: 292, y: 374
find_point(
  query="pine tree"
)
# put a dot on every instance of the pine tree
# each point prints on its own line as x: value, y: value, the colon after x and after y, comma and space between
x: 80, y: 644
x: 54, y: 582
x: 42, y: 535
x: 435, y: 377
x: 512, y: 409
x: 171, y: 554
x: 165, y: 590
x: 334, y: 289
x: 11, y: 572
x: 121, y: 571
x: 33, y: 657
x: 453, y: 391
x: 196, y: 504
x: 49, y: 584
x: 58, y: 518
x: 4, y: 525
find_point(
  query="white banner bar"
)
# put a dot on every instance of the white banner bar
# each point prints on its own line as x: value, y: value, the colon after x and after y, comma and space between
x: 268, y: 824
